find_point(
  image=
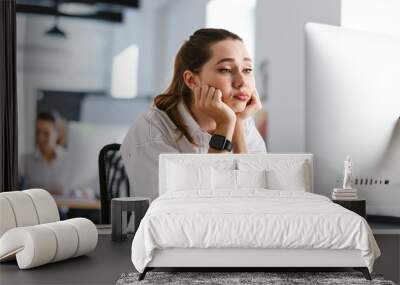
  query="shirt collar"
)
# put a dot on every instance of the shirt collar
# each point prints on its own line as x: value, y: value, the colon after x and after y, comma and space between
x: 193, y: 127
x: 58, y: 149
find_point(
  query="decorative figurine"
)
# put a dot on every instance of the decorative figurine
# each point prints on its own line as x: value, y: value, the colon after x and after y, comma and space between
x: 347, y: 173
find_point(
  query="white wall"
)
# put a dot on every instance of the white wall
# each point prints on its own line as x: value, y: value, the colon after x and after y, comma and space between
x: 372, y: 15
x: 159, y: 28
x: 280, y: 40
x: 238, y: 9
x: 140, y: 28
x: 178, y: 19
x: 82, y: 61
x: 110, y: 111
x: 79, y: 62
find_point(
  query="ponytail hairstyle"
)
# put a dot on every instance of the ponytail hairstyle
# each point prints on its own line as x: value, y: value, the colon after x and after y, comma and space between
x: 192, y: 55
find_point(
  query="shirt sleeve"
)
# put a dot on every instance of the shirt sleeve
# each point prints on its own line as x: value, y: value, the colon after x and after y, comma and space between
x: 255, y: 142
x: 140, y: 152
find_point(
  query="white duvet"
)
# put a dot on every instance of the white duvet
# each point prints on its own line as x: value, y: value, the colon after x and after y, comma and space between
x: 251, y: 218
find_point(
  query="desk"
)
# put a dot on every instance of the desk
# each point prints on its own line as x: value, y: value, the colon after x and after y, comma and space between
x: 78, y: 207
x: 102, y: 266
x: 78, y: 204
x: 85, y: 204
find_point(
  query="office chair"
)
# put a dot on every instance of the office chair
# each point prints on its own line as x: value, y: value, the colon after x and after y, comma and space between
x: 113, y: 179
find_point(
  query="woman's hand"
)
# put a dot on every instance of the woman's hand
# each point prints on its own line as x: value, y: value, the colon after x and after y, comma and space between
x: 238, y: 138
x: 253, y: 106
x: 209, y: 100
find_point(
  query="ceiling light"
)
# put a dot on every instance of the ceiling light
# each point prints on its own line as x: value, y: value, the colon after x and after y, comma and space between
x: 75, y: 8
x: 55, y: 31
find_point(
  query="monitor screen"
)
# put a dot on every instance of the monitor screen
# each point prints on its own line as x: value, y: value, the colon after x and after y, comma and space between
x: 353, y: 108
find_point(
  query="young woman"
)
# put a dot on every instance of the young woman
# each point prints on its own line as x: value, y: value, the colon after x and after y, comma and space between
x: 207, y: 108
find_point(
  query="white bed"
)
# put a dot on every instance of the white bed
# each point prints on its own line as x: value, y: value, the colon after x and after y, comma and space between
x: 202, y: 220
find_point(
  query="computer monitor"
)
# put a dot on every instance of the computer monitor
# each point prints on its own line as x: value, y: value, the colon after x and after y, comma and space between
x: 353, y: 108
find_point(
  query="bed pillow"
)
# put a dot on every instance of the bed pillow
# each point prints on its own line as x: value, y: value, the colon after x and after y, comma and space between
x: 182, y: 177
x: 282, y: 174
x: 251, y: 178
x: 224, y: 179
x: 291, y: 178
x: 228, y: 179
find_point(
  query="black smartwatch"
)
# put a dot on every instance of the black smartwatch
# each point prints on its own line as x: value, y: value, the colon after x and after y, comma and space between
x: 220, y: 142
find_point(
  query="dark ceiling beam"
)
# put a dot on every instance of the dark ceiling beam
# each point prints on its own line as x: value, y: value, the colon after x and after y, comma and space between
x: 116, y: 17
x: 126, y: 3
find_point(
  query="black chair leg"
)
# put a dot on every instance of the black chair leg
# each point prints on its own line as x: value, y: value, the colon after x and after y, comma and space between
x: 364, y: 271
x: 142, y: 275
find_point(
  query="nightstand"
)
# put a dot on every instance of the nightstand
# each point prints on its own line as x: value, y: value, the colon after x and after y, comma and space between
x: 357, y: 206
x: 119, y: 208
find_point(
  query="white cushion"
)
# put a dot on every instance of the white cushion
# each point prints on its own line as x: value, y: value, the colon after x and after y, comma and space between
x: 292, y: 178
x: 182, y: 177
x: 45, y: 205
x: 277, y: 162
x: 87, y: 234
x: 228, y: 179
x: 23, y: 208
x: 224, y: 179
x: 66, y: 237
x: 251, y: 178
x: 7, y: 218
x: 26, y: 208
x: 168, y: 177
x: 282, y: 174
x: 32, y: 246
x: 40, y: 244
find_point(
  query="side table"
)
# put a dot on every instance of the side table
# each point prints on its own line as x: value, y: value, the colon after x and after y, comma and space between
x: 119, y: 208
x: 357, y: 206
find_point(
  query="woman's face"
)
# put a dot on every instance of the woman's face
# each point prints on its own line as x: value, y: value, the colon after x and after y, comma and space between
x: 46, y: 134
x: 230, y: 69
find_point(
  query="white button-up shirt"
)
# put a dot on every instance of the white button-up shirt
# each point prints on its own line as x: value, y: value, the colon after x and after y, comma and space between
x: 37, y: 172
x: 153, y: 133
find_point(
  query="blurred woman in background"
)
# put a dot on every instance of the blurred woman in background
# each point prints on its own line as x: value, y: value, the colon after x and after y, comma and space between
x: 46, y: 167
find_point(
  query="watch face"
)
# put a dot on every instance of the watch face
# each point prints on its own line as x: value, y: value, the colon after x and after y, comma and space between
x: 217, y: 142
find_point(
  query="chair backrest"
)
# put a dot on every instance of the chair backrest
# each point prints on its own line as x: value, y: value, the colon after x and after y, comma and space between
x: 113, y: 179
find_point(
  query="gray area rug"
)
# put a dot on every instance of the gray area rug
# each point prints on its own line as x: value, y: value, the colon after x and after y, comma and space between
x: 225, y: 278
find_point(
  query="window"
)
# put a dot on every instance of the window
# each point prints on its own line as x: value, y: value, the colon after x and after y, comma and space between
x: 125, y: 73
x: 237, y: 16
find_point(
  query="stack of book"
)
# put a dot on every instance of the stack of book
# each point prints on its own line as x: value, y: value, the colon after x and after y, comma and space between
x: 344, y: 194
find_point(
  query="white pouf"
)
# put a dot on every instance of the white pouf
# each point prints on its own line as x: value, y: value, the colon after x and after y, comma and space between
x: 7, y: 218
x: 45, y: 205
x: 22, y: 207
x: 31, y: 232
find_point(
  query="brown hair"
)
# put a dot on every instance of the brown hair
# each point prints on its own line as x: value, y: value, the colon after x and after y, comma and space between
x: 192, y: 55
x: 55, y: 118
x: 46, y: 116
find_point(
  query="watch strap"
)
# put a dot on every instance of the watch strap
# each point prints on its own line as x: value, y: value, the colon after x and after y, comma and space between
x: 228, y: 145
x: 220, y: 142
